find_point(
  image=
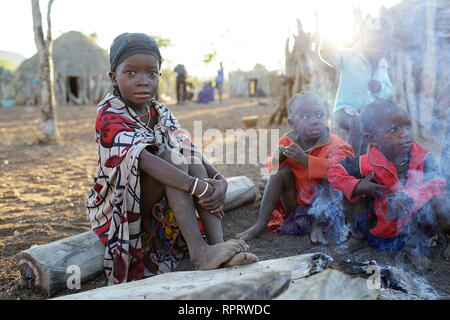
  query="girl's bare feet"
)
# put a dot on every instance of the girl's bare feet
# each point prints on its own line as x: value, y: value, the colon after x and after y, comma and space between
x: 241, y: 259
x: 212, y: 256
x: 254, y: 231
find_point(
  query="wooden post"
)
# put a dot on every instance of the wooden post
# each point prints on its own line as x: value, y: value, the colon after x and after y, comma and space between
x: 46, y: 267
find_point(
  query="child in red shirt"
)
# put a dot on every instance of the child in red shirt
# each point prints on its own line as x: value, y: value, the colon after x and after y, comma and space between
x: 297, y: 170
x: 399, y: 180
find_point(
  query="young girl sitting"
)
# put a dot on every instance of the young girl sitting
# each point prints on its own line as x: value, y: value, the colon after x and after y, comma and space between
x: 297, y: 170
x: 141, y: 170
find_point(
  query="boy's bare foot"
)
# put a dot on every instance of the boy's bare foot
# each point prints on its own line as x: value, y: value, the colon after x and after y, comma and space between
x: 349, y: 246
x: 317, y: 236
x: 241, y: 259
x: 419, y: 260
x: 252, y: 232
x: 212, y: 256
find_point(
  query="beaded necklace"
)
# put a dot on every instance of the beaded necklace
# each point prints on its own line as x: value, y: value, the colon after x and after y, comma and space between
x: 149, y: 115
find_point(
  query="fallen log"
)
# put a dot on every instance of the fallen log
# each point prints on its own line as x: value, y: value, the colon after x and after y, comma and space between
x: 330, y: 285
x: 240, y: 191
x: 173, y: 285
x: 262, y: 286
x: 48, y: 267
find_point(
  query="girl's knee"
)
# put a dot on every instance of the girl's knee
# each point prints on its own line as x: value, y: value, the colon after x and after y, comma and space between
x: 176, y: 158
x: 196, y: 166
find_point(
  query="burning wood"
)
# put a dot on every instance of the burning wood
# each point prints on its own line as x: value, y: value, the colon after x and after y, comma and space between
x: 395, y: 283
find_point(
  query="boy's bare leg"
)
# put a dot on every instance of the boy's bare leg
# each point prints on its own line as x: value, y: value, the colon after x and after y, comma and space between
x: 281, y: 186
x: 317, y: 236
x: 357, y: 240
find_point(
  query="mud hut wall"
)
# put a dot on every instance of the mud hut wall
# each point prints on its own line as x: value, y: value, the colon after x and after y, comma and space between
x: 268, y: 82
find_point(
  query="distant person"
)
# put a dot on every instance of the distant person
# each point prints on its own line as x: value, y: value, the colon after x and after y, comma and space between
x: 400, y: 183
x: 219, y: 81
x: 181, y: 83
x: 301, y: 165
x: 147, y: 195
x: 364, y: 77
x: 206, y: 95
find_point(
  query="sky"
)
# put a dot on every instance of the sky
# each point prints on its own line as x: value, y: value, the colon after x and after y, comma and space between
x: 242, y: 32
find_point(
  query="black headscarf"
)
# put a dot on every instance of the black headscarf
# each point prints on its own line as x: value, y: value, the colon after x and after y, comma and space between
x: 128, y: 44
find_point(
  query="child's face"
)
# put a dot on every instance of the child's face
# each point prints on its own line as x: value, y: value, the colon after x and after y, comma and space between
x: 308, y: 121
x: 393, y: 134
x: 376, y: 45
x: 137, y: 78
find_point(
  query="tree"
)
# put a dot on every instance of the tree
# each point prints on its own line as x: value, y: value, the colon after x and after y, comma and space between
x: 46, y: 74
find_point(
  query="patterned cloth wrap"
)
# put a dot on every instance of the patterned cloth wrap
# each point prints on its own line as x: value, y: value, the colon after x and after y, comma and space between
x: 163, y: 246
x: 327, y: 207
x: 298, y: 222
x: 113, y: 204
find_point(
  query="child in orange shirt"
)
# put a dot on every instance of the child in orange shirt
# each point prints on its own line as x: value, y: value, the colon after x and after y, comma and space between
x: 300, y: 165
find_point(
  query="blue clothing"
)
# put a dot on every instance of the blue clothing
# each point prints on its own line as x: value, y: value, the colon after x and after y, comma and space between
x: 361, y: 225
x: 206, y: 95
x: 355, y: 73
x: 219, y: 77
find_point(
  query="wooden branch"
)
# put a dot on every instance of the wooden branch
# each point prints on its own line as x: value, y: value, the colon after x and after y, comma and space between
x: 45, y: 267
x: 175, y: 285
x: 49, y: 22
x: 37, y: 25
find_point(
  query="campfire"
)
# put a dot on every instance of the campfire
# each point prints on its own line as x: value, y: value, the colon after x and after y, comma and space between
x: 395, y: 283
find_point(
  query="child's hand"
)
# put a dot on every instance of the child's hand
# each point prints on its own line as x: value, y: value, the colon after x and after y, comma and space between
x: 374, y: 86
x: 215, y: 201
x: 279, y: 154
x: 398, y: 205
x: 367, y: 187
x: 294, y: 152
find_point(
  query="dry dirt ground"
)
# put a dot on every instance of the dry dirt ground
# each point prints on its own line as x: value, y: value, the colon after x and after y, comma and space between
x: 43, y: 189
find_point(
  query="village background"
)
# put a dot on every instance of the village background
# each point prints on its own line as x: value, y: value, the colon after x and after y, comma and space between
x: 44, y: 186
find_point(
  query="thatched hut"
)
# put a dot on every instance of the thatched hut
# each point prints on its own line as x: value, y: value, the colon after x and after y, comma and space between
x: 256, y: 82
x: 80, y: 71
